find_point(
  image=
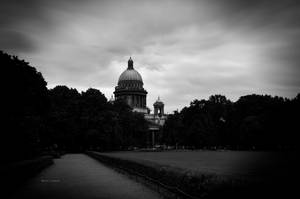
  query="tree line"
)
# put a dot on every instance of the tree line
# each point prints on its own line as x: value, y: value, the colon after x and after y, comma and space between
x: 38, y: 119
x: 259, y: 122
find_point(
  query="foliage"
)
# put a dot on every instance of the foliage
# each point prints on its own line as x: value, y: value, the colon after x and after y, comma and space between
x: 25, y: 104
x: 88, y: 121
x: 61, y: 118
x: 253, y: 122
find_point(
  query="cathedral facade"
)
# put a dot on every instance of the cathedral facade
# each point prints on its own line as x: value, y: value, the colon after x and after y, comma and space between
x: 130, y: 88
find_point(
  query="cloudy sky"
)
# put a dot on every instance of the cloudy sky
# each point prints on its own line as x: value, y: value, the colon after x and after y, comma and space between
x: 184, y: 49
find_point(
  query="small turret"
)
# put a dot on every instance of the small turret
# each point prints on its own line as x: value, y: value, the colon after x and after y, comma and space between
x: 158, y: 107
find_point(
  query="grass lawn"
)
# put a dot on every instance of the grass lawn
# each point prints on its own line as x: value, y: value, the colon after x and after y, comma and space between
x: 215, y: 174
x: 226, y: 163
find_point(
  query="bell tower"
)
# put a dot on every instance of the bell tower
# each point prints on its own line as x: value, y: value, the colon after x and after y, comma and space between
x: 158, y: 107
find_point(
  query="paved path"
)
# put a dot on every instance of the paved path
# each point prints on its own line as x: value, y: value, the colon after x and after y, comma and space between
x: 79, y: 176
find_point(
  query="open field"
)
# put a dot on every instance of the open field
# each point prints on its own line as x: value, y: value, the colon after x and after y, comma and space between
x: 226, y: 163
x: 213, y: 174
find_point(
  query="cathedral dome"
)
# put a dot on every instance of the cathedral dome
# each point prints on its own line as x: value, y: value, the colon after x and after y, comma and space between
x: 130, y: 76
x: 130, y: 89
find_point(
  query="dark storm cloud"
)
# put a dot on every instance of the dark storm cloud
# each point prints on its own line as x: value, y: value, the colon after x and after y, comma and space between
x: 276, y: 24
x: 183, y: 49
x: 269, y: 6
x: 277, y: 19
x: 15, y: 41
x: 18, y: 18
x: 12, y: 13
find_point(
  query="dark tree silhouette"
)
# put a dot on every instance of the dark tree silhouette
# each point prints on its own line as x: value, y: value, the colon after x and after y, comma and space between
x: 64, y: 117
x: 24, y: 108
x: 37, y: 119
x: 253, y: 122
x: 87, y: 121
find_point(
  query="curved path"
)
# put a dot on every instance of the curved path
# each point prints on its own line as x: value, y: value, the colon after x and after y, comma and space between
x: 79, y: 176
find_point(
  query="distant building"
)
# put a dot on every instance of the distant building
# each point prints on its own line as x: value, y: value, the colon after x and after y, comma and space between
x: 130, y: 88
x: 158, y: 117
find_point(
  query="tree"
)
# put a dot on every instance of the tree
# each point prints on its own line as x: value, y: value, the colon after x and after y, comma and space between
x: 64, y: 125
x: 25, y: 107
x: 253, y: 122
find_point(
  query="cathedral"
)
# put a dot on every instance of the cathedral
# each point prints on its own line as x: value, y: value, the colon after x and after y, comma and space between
x: 131, y: 89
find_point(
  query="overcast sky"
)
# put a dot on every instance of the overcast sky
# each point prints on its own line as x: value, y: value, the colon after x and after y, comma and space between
x: 183, y: 49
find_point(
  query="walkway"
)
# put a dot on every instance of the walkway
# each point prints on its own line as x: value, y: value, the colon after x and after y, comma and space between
x: 79, y: 176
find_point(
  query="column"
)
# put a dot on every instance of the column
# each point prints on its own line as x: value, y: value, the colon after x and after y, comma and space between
x: 133, y: 100
x: 153, y: 138
x: 140, y: 101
